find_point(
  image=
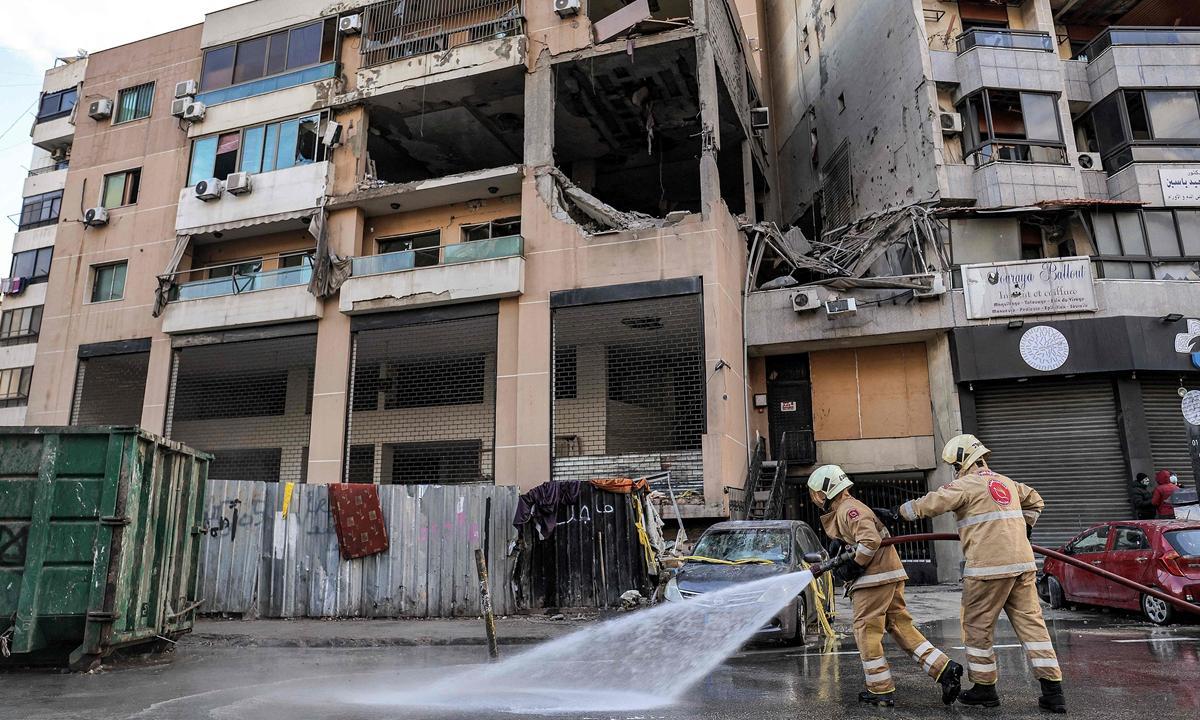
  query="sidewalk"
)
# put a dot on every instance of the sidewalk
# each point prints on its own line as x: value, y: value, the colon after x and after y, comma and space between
x: 308, y: 632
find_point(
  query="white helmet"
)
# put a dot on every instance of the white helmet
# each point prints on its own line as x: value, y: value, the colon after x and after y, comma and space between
x: 963, y: 451
x: 829, y: 480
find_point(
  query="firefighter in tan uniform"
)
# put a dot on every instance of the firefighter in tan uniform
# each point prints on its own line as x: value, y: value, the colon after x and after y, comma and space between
x: 995, y: 519
x: 875, y: 578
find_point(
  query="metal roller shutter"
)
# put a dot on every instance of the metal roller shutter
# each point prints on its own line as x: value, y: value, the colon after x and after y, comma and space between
x: 1062, y: 438
x: 1164, y: 421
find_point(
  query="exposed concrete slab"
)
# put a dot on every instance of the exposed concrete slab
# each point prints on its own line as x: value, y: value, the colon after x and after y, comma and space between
x: 437, y: 285
x: 259, y: 307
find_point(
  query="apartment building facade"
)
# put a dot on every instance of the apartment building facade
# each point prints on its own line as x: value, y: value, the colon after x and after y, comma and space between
x: 1000, y: 207
x: 462, y: 242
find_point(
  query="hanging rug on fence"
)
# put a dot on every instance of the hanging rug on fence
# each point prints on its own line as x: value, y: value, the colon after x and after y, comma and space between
x: 358, y: 518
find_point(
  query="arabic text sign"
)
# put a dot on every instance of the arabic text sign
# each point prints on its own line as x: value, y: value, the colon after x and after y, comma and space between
x: 1029, y: 287
x: 1180, y: 186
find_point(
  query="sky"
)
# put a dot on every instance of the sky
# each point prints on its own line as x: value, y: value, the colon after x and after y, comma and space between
x: 32, y: 34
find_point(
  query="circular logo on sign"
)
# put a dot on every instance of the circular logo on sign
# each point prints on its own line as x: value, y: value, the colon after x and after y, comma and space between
x: 999, y: 492
x: 1044, y: 348
x: 1191, y: 406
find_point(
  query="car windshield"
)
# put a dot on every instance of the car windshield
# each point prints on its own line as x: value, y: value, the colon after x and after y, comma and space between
x: 748, y: 544
x: 1185, y: 542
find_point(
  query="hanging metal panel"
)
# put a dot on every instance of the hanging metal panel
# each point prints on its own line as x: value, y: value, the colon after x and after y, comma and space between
x: 1061, y: 437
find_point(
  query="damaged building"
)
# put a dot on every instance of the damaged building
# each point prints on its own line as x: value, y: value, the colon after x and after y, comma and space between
x: 387, y: 242
x: 991, y: 227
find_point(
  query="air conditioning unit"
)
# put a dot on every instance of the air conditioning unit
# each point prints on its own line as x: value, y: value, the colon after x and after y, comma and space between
x: 935, y: 288
x: 95, y: 217
x: 237, y: 183
x: 567, y: 8
x: 209, y: 189
x: 760, y: 118
x: 194, y: 112
x: 186, y: 88
x: 179, y: 106
x: 100, y: 109
x: 350, y: 24
x: 810, y: 298
x: 951, y: 123
x: 842, y: 306
x: 1089, y: 161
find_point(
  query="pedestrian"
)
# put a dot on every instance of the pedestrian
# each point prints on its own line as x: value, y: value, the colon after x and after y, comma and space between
x: 875, y: 581
x: 1168, y: 483
x: 1143, y: 505
x: 995, y: 521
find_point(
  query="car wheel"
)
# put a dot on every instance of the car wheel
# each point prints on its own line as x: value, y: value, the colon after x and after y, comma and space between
x: 1054, y: 592
x: 800, y: 637
x: 1157, y: 611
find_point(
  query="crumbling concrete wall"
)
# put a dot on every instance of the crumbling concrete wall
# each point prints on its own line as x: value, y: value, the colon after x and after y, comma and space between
x: 869, y: 56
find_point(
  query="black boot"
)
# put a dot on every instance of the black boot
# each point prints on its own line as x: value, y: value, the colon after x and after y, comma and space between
x: 1052, y: 699
x: 980, y: 696
x: 878, y: 699
x: 951, y: 682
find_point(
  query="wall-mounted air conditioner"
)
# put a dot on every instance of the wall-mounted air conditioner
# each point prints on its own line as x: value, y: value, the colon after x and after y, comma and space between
x: 760, y: 118
x: 179, y: 106
x: 100, y: 109
x: 350, y: 24
x: 1089, y: 161
x: 567, y: 8
x: 193, y: 112
x: 951, y: 123
x: 841, y: 306
x: 237, y: 183
x: 209, y: 189
x: 810, y: 298
x: 185, y: 88
x: 95, y: 217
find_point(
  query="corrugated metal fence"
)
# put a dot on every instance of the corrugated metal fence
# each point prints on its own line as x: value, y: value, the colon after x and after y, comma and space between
x: 256, y: 561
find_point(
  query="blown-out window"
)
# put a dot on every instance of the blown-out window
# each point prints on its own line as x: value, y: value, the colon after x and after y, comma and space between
x: 1011, y: 126
x: 263, y: 148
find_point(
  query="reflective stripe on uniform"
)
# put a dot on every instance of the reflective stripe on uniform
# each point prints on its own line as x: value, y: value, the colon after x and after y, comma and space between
x: 874, y: 679
x: 1032, y: 515
x: 922, y: 649
x: 1038, y: 646
x: 991, y: 516
x: 980, y: 652
x: 934, y: 657
x: 881, y: 577
x: 908, y: 511
x: 1043, y: 662
x: 865, y: 550
x: 1000, y: 569
x: 874, y: 664
x: 982, y: 667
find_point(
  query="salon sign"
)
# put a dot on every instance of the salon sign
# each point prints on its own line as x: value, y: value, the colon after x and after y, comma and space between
x: 1029, y: 287
x: 1180, y: 186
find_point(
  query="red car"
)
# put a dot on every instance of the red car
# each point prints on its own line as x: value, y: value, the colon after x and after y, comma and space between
x: 1163, y: 554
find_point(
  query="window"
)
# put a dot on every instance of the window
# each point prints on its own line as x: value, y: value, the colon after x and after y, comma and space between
x: 1144, y: 125
x: 57, y: 104
x: 108, y: 282
x: 21, y: 325
x: 245, y: 267
x: 1131, y: 244
x: 425, y: 243
x: 40, y: 210
x: 1174, y: 114
x: 503, y: 227
x: 1130, y: 539
x: 1012, y: 126
x: 134, y: 103
x: 121, y: 188
x: 295, y: 260
x: 267, y: 55
x: 259, y: 149
x: 33, y: 265
x: 1092, y: 541
x: 14, y: 386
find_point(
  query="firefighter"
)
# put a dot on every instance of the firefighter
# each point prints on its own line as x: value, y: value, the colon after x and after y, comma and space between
x: 875, y: 580
x: 995, y: 521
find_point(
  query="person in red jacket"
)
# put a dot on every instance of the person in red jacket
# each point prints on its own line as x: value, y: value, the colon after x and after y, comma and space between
x: 1161, y: 499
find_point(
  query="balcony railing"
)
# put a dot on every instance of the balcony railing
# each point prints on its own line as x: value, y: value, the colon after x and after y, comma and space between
x: 501, y: 247
x: 1008, y: 39
x: 60, y: 165
x: 238, y: 283
x: 396, y: 29
x: 1020, y: 151
x: 1139, y: 36
x: 24, y: 221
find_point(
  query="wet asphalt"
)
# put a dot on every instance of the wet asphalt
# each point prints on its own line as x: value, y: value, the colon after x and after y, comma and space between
x: 1115, y: 667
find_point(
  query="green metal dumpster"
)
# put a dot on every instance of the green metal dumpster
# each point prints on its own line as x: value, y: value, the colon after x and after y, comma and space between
x: 99, y: 538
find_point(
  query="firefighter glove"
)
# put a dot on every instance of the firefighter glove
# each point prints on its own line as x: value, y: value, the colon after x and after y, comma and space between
x: 836, y: 547
x: 892, y: 513
x: 849, y: 572
x: 1028, y: 532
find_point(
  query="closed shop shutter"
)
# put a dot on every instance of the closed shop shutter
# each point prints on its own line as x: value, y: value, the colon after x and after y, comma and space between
x: 1168, y: 433
x: 1062, y: 438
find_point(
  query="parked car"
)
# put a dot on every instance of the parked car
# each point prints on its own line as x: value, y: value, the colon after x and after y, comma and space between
x: 1163, y: 554
x: 783, y: 543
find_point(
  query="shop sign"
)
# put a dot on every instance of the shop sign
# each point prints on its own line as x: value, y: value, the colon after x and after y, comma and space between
x: 1029, y: 287
x: 1180, y: 186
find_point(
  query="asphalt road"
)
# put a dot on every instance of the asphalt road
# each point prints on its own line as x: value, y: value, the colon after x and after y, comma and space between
x: 1116, y: 667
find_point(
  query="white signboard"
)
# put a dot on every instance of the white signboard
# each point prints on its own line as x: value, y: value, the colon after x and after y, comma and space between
x: 1029, y: 287
x: 1180, y: 186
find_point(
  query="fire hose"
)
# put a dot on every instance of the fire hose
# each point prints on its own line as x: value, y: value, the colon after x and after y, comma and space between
x: 845, y: 557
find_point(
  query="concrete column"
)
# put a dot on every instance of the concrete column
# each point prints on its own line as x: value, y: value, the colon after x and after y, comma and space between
x: 947, y: 422
x: 539, y: 120
x: 158, y: 385
x: 748, y: 181
x: 327, y: 434
x: 710, y: 125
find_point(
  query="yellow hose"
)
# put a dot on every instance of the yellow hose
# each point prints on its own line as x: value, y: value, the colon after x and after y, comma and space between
x: 718, y: 561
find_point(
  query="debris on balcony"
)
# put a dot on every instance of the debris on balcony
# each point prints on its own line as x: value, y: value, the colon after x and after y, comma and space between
x: 573, y: 204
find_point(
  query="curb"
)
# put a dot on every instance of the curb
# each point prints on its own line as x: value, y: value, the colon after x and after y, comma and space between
x: 251, y: 641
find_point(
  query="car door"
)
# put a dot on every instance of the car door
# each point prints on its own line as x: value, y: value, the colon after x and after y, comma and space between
x: 1090, y: 547
x: 1130, y: 557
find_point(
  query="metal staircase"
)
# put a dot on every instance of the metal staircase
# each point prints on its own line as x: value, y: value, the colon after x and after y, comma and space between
x: 764, y: 483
